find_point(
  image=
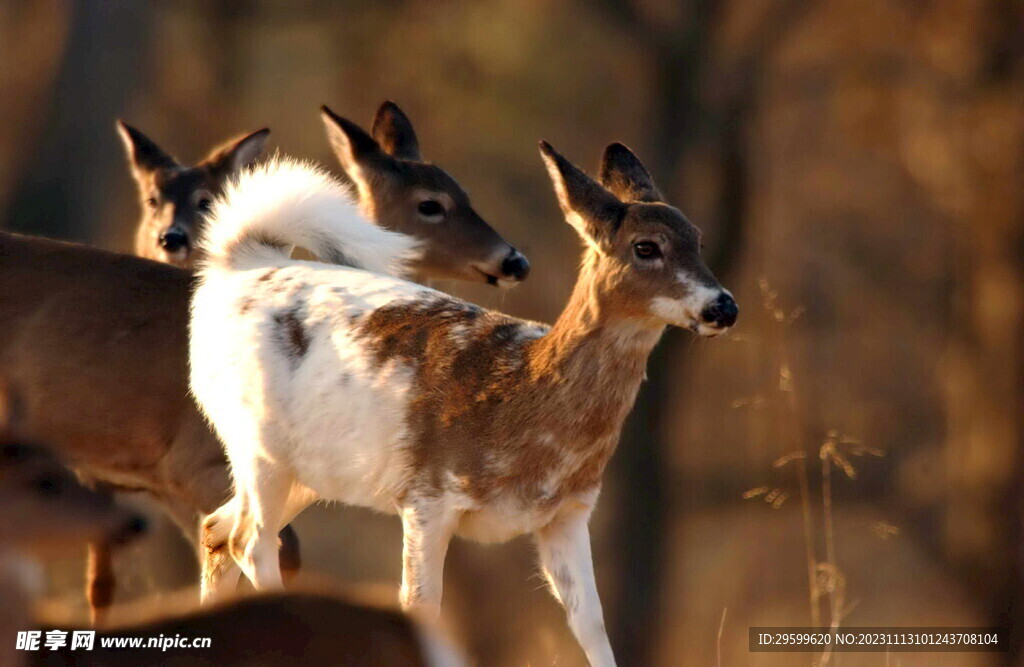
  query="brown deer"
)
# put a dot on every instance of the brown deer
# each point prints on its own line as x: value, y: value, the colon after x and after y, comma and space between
x: 98, y: 341
x: 401, y: 192
x: 342, y: 383
x: 174, y: 198
x: 47, y: 512
x: 395, y: 187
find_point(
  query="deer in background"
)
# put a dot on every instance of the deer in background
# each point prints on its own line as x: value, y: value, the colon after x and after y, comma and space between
x: 401, y: 192
x: 175, y: 199
x: 343, y: 383
x: 395, y: 187
x: 98, y: 341
x: 47, y: 512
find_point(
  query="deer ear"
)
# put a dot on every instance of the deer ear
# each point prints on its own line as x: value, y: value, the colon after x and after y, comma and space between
x: 238, y: 153
x: 352, y: 146
x: 394, y: 132
x: 594, y: 212
x: 625, y: 176
x: 144, y: 155
x: 359, y: 154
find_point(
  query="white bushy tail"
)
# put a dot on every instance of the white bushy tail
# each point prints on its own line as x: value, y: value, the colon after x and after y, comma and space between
x: 284, y: 203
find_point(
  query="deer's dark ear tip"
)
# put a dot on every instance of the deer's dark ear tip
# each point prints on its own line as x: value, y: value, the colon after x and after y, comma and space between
x: 545, y: 148
x: 616, y: 148
x: 329, y: 114
x: 620, y: 153
x: 345, y: 125
x: 260, y: 134
x: 388, y: 111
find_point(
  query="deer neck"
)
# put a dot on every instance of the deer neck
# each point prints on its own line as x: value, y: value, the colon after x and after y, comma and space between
x: 596, y: 352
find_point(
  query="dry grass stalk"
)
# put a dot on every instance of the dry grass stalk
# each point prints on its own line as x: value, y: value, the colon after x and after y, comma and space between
x: 825, y: 579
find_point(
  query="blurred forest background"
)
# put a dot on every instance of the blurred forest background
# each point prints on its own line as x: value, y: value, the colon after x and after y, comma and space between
x: 856, y: 166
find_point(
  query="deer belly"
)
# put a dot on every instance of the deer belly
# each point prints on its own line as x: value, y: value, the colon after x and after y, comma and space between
x: 501, y: 521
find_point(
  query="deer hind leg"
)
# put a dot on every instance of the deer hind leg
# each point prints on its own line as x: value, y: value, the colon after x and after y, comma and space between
x: 220, y: 569
x: 100, y: 581
x: 427, y: 526
x: 564, y: 548
x: 263, y: 512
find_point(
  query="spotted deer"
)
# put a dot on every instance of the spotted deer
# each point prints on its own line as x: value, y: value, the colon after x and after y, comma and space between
x: 343, y: 383
x: 98, y: 341
x: 175, y: 198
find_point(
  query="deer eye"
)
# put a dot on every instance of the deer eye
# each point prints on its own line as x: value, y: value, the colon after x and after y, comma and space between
x: 646, y: 250
x: 204, y: 204
x: 151, y: 202
x: 47, y: 485
x: 430, y: 209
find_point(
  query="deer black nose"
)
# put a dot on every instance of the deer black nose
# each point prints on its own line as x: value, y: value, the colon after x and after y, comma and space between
x: 173, y: 240
x: 722, y: 312
x: 515, y: 265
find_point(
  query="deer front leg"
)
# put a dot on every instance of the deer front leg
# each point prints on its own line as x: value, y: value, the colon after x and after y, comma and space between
x: 564, y: 548
x: 427, y: 527
x: 260, y: 514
